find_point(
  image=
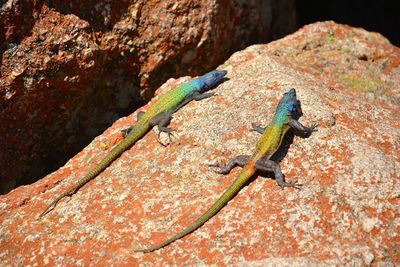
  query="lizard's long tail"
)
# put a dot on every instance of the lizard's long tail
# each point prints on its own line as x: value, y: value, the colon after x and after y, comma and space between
x: 246, y: 173
x: 136, y: 133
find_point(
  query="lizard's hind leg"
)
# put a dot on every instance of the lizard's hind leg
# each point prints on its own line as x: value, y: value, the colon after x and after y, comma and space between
x: 126, y: 131
x: 162, y: 120
x: 267, y: 165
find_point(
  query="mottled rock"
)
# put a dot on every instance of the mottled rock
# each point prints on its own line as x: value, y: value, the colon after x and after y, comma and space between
x: 69, y: 69
x: 347, y: 212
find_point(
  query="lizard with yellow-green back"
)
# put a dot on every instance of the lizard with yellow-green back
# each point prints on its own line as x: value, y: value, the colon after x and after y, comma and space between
x: 267, y: 145
x: 158, y: 114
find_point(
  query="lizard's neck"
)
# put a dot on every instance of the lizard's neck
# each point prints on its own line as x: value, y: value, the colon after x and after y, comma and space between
x: 280, y: 119
x: 193, y: 85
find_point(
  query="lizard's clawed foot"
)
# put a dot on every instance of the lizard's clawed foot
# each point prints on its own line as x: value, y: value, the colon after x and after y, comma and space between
x: 313, y: 127
x: 290, y: 184
x: 210, y: 94
x: 218, y: 168
x: 168, y: 131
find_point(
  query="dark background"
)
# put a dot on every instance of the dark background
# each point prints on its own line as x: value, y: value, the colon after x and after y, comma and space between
x: 377, y: 16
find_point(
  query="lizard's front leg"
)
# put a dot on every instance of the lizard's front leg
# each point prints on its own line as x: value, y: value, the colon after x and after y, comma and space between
x: 199, y: 96
x: 257, y: 128
x: 295, y: 124
x: 195, y: 96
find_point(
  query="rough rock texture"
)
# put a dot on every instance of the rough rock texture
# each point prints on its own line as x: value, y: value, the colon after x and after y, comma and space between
x: 346, y: 213
x: 69, y: 69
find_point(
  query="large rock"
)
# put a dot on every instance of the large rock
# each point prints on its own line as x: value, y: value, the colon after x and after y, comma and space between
x: 347, y: 212
x: 69, y: 69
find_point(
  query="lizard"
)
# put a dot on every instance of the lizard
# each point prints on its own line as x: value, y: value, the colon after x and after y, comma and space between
x: 269, y: 142
x: 158, y: 114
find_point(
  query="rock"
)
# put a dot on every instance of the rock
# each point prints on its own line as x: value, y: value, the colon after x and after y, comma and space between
x: 68, y: 70
x: 347, y: 212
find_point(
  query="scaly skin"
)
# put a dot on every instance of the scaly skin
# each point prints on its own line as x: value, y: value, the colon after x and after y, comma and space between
x: 267, y: 145
x: 159, y: 113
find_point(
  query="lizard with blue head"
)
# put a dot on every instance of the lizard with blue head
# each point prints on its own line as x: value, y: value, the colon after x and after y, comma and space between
x: 269, y: 142
x: 158, y: 114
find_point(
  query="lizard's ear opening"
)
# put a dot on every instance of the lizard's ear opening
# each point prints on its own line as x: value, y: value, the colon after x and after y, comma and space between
x: 296, y: 113
x: 292, y: 108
